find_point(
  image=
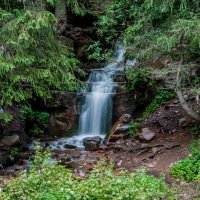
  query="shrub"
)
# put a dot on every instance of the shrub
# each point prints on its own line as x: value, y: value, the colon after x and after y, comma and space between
x: 189, y: 168
x: 137, y: 79
x: 14, y: 151
x: 134, y: 129
x: 51, y: 181
x: 36, y: 122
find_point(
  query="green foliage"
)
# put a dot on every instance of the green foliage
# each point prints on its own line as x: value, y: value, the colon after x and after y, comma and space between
x: 196, y: 128
x: 26, y: 112
x: 97, y: 53
x: 51, y: 181
x: 36, y: 122
x: 14, y: 151
x: 6, y: 117
x: 152, y: 28
x: 189, y: 168
x: 134, y: 129
x: 137, y: 79
x: 33, y: 60
x: 195, y: 148
x: 114, y: 21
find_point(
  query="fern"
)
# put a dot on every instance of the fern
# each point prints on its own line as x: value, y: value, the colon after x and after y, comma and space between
x: 33, y: 61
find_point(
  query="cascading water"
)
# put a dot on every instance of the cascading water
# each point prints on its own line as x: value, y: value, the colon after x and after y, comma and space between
x: 95, y: 117
x: 96, y: 106
x: 96, y: 109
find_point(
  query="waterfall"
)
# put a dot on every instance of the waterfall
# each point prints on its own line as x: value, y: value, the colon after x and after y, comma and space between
x: 96, y: 105
x: 96, y: 109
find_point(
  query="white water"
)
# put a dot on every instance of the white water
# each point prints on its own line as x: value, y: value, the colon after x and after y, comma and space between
x: 96, y: 110
x: 96, y: 106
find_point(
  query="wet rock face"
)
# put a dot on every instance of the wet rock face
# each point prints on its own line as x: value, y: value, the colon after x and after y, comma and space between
x: 120, y: 128
x: 77, y: 32
x: 123, y: 103
x: 92, y: 143
x: 63, y: 114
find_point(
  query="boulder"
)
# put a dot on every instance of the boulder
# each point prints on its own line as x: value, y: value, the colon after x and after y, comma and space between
x: 10, y: 140
x: 146, y: 135
x: 120, y: 128
x: 13, y: 130
x: 92, y: 143
x: 69, y: 146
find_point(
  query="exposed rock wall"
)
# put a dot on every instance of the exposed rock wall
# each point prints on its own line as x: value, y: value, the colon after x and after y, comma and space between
x: 12, y: 134
x: 63, y: 114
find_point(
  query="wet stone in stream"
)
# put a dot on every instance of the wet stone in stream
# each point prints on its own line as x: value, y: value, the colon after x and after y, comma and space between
x: 92, y: 143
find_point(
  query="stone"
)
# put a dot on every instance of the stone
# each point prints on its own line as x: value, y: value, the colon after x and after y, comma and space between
x: 64, y: 159
x: 146, y: 135
x: 63, y: 114
x: 10, y: 140
x: 115, y: 138
x: 120, y: 78
x: 126, y: 118
x: 25, y: 162
x: 92, y: 143
x: 69, y: 146
x: 25, y: 155
x: 14, y: 128
x: 71, y: 164
x: 120, y: 128
x: 19, y: 168
x: 183, y: 122
x: 61, y: 143
x: 8, y: 172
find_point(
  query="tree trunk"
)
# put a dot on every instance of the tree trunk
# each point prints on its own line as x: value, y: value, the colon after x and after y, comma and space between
x: 183, y: 102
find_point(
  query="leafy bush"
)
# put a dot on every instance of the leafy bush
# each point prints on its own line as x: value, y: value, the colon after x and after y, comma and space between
x: 40, y: 63
x: 189, y: 168
x: 97, y: 53
x: 35, y: 121
x: 196, y: 128
x: 51, y: 181
x: 137, y: 79
x: 14, y: 151
x: 134, y: 129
